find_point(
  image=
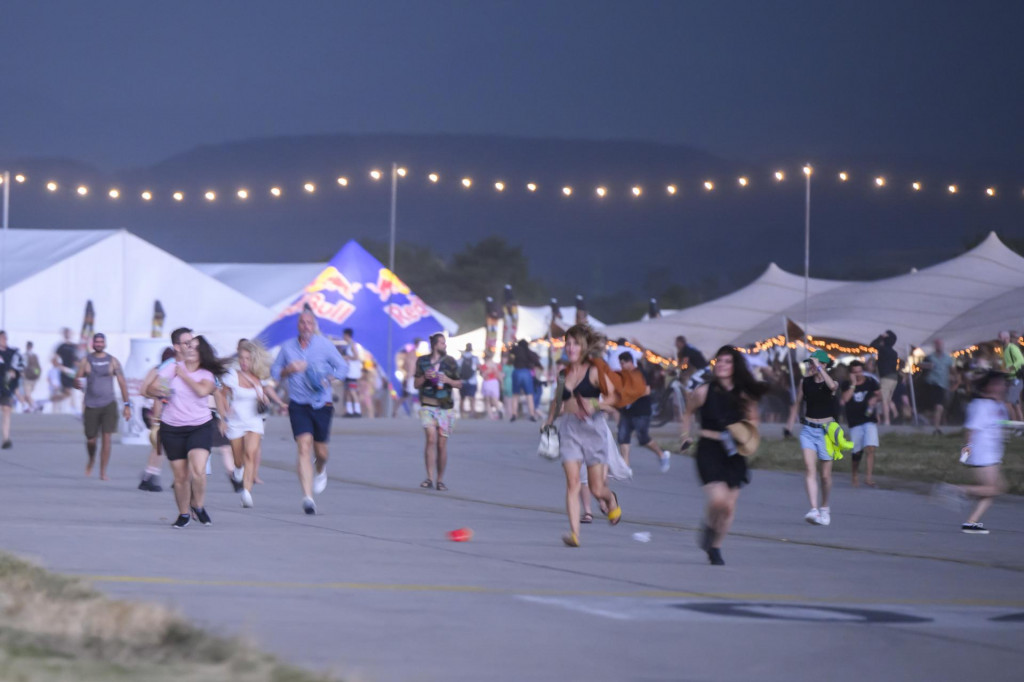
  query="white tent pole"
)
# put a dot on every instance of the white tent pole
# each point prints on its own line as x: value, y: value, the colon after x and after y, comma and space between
x: 3, y: 252
x: 910, y: 380
x: 391, y: 267
x: 789, y: 357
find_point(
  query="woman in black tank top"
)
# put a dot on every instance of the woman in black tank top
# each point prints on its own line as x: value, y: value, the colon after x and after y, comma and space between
x: 583, y: 434
x: 730, y: 397
x: 817, y: 393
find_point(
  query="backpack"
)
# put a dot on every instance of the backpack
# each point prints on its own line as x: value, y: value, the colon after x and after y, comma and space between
x: 466, y: 368
x: 32, y: 370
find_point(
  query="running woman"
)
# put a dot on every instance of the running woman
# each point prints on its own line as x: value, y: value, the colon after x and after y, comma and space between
x: 436, y: 375
x: 186, y: 430
x: 247, y: 389
x: 308, y: 362
x: 584, y: 437
x: 729, y: 397
x: 817, y: 394
x: 986, y: 415
x: 99, y: 369
x: 151, y: 418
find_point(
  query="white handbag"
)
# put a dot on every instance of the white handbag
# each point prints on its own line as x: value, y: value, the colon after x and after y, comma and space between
x: 549, y: 447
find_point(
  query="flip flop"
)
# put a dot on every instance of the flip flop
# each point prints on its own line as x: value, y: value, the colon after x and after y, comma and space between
x: 587, y: 518
x: 427, y: 483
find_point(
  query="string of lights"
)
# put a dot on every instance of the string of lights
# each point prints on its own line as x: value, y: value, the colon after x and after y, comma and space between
x: 310, y: 187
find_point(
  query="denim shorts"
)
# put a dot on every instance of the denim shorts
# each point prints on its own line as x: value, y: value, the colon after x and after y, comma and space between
x: 522, y: 382
x: 813, y: 438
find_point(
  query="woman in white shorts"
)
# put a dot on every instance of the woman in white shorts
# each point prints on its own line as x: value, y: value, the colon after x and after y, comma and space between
x: 247, y: 388
x: 985, y: 436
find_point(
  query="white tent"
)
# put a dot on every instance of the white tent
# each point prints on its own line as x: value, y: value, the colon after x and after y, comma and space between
x: 963, y: 300
x: 50, y: 275
x: 713, y: 324
x: 276, y: 285
x: 534, y: 323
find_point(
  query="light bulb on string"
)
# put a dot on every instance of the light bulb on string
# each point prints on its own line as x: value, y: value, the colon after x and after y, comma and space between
x: 146, y: 195
x: 82, y: 190
x: 708, y: 185
x: 242, y: 193
x: 531, y: 187
x: 275, y: 191
x: 178, y: 196
x: 499, y: 186
x: 780, y: 176
x: 401, y: 172
x: 880, y: 181
x: 637, y: 191
x: 672, y: 189
x: 51, y: 185
x: 601, y: 192
x: 210, y: 195
x: 433, y: 177
x: 743, y: 181
x: 375, y: 174
x: 917, y: 186
x: 567, y: 191
x: 343, y: 181
x: 467, y: 182
x: 20, y: 178
x: 114, y: 193
x: 309, y: 187
x: 991, y: 191
x: 953, y: 189
x: 843, y: 176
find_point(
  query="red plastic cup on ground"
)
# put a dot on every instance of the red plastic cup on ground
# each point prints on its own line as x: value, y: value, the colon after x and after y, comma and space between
x: 460, y: 535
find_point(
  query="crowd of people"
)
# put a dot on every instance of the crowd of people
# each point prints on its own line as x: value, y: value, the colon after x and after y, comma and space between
x: 602, y: 395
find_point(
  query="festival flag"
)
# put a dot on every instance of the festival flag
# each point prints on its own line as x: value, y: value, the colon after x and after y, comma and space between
x: 88, y: 325
x: 493, y: 315
x: 581, y: 309
x: 158, y: 320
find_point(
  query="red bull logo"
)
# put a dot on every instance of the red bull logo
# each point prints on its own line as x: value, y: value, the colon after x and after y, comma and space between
x: 410, y: 313
x: 321, y: 307
x: 388, y: 285
x: 331, y: 279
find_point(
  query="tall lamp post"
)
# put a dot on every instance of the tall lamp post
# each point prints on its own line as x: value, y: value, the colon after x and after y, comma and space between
x: 3, y: 251
x: 808, y: 170
x: 391, y: 267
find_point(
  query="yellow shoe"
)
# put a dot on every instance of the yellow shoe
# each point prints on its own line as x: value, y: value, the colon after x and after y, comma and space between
x: 571, y: 540
x: 615, y: 515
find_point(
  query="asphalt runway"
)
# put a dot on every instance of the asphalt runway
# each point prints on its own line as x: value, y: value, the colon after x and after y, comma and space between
x: 372, y: 589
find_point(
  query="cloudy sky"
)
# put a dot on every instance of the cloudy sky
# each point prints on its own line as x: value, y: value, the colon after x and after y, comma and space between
x: 126, y: 83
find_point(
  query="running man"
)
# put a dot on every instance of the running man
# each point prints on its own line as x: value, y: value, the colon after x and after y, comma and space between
x: 860, y: 395
x: 636, y: 416
x: 99, y: 369
x: 436, y: 375
x: 308, y: 362
x: 11, y: 366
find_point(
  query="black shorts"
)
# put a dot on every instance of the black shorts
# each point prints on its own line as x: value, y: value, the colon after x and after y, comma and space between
x: 217, y: 438
x: 178, y: 441
x: 715, y: 465
x: 306, y: 419
x: 934, y: 395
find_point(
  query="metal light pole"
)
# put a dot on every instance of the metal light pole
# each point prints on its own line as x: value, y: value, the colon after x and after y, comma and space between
x: 391, y: 267
x: 807, y: 255
x: 3, y: 252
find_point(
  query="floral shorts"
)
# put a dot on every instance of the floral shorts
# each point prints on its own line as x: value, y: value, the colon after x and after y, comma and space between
x: 437, y: 417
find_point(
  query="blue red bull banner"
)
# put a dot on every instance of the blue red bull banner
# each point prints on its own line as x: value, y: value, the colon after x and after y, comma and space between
x: 356, y: 291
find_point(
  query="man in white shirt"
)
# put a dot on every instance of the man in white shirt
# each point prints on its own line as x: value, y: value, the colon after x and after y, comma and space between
x: 353, y: 354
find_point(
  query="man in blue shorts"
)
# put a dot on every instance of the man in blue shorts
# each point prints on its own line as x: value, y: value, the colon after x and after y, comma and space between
x: 636, y: 416
x: 308, y: 363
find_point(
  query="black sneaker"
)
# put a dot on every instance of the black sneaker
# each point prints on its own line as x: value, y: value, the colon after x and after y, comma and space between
x: 974, y: 528
x: 715, y: 557
x: 706, y: 537
x: 144, y: 484
x: 183, y: 520
x: 7, y: 445
x: 237, y: 485
x: 201, y: 516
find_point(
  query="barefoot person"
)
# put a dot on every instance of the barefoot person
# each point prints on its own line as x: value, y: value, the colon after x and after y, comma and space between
x: 186, y: 428
x: 730, y: 397
x: 99, y: 369
x: 584, y: 438
x: 308, y: 363
x: 817, y: 394
x: 861, y: 395
x: 247, y: 389
x: 436, y: 375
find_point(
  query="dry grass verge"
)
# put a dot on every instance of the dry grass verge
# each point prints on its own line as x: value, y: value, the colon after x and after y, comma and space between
x: 56, y: 628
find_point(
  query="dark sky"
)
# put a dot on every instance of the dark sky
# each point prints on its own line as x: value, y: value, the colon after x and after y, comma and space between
x: 128, y: 83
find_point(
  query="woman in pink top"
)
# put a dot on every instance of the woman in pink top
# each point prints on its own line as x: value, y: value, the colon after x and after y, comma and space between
x: 186, y: 429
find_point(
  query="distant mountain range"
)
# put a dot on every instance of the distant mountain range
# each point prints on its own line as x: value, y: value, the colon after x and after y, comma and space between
x: 581, y: 243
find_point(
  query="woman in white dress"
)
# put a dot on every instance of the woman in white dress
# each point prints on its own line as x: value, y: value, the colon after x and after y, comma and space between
x: 246, y: 390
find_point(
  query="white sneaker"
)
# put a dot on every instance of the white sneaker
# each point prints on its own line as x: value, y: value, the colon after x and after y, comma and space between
x: 666, y: 461
x: 236, y: 475
x: 246, y: 498
x: 308, y: 505
x: 825, y: 516
x: 320, y: 481
x: 813, y: 517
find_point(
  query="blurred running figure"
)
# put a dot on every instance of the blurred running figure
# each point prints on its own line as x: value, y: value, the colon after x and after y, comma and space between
x: 248, y: 389
x: 984, y: 450
x: 99, y: 369
x: 11, y: 366
x: 584, y: 438
x: 636, y: 416
x: 730, y: 397
x: 309, y: 362
x: 151, y: 418
x: 817, y: 391
x: 436, y: 375
x: 186, y: 429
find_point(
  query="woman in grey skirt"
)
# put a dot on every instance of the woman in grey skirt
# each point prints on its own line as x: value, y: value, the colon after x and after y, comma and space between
x: 583, y: 429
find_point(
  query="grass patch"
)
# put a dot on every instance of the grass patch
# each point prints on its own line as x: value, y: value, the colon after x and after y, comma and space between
x: 57, y: 628
x: 912, y: 457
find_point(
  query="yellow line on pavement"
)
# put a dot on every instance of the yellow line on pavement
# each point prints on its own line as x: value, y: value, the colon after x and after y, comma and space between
x: 476, y: 589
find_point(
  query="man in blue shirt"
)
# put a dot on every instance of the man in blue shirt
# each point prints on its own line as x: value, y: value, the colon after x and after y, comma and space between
x: 308, y: 363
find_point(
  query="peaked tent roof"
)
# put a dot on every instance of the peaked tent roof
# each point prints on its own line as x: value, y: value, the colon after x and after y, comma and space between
x: 918, y: 305
x: 356, y: 291
x: 276, y: 285
x: 53, y: 273
x: 713, y: 324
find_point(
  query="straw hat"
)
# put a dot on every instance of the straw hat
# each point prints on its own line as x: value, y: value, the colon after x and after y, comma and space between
x: 746, y: 435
